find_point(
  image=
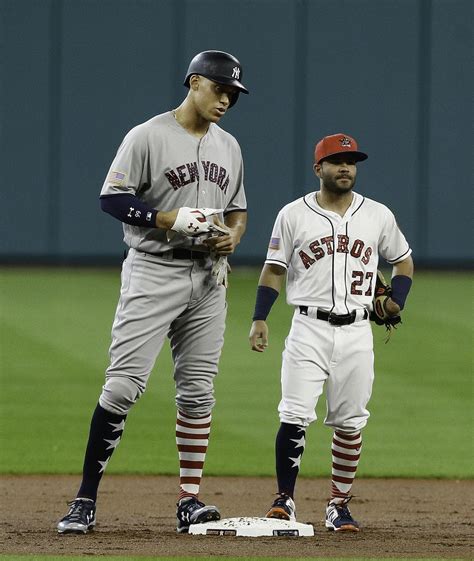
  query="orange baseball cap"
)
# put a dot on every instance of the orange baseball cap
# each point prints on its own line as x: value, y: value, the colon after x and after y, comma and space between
x: 335, y: 144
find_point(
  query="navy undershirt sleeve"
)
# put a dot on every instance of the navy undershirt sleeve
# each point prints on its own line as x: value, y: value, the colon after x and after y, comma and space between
x: 129, y: 209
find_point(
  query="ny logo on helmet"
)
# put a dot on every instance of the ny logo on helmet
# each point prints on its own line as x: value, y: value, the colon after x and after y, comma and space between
x: 345, y: 142
x: 236, y: 72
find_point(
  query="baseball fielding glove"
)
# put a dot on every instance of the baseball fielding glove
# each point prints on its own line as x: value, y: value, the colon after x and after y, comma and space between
x: 379, y: 314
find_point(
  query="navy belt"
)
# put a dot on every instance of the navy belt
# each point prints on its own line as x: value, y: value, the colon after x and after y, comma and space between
x: 334, y: 319
x: 180, y: 253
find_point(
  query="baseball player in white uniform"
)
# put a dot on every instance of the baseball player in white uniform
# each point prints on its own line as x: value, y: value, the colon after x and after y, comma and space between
x: 328, y: 244
x: 176, y: 184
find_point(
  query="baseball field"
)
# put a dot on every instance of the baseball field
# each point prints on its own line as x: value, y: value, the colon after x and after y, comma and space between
x: 414, y: 488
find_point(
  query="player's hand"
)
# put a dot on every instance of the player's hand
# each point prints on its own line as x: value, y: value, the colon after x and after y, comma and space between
x: 391, y: 307
x: 223, y: 244
x: 258, y: 336
x: 188, y: 221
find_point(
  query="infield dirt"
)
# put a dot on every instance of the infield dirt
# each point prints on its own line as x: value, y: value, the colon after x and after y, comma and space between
x: 136, y: 516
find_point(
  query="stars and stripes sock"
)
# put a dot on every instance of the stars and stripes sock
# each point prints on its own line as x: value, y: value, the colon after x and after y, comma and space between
x: 104, y: 436
x: 192, y: 439
x: 289, y: 448
x: 345, y: 458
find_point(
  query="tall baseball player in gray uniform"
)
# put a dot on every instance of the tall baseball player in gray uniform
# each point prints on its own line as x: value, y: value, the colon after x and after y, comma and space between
x: 328, y: 243
x: 176, y: 183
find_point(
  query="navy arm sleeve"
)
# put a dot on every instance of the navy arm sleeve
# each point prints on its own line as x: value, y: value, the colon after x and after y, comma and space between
x: 129, y: 209
x: 266, y: 296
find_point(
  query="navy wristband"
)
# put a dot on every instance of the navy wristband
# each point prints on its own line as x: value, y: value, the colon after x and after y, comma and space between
x: 130, y: 209
x: 401, y: 285
x: 266, y: 296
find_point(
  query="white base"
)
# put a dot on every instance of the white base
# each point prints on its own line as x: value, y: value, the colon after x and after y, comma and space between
x: 252, y: 527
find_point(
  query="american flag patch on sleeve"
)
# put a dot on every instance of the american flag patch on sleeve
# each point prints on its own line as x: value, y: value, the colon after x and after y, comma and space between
x: 117, y: 177
x: 274, y: 243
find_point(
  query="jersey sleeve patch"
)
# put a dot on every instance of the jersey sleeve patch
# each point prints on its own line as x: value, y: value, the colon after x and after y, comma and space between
x: 274, y: 243
x: 117, y: 178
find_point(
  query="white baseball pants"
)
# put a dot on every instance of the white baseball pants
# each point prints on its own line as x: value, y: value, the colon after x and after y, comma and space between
x: 317, y: 353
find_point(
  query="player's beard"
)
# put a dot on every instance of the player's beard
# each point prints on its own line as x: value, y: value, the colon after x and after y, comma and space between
x: 334, y: 185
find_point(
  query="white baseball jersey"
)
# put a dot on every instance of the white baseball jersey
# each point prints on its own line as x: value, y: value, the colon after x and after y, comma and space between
x: 332, y: 260
x: 167, y: 167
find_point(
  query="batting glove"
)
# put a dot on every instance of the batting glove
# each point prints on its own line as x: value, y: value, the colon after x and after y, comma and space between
x: 193, y: 221
x: 220, y: 270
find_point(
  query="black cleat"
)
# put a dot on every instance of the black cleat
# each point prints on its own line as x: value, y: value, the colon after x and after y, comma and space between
x: 191, y: 511
x: 80, y: 518
x: 283, y: 507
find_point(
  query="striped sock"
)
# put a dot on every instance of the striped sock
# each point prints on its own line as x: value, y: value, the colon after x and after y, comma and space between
x: 192, y: 439
x: 345, y: 458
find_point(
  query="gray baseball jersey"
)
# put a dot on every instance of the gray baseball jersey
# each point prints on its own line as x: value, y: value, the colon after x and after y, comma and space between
x: 167, y: 167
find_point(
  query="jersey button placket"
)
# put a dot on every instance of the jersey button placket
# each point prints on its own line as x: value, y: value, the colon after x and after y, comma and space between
x: 201, y: 171
x: 339, y: 280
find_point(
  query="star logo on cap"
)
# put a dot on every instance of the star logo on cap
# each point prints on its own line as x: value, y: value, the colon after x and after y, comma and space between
x: 345, y: 142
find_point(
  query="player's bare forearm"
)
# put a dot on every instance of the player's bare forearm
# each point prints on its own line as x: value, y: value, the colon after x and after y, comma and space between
x: 272, y: 275
x: 235, y: 223
x: 404, y: 268
x: 166, y: 219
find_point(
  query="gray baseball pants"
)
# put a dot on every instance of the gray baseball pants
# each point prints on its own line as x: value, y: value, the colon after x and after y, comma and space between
x: 161, y: 297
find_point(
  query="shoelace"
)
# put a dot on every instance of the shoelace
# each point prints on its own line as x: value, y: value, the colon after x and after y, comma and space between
x: 343, y: 511
x: 342, y: 508
x: 191, y: 506
x: 195, y: 505
x: 77, y: 509
x: 282, y: 502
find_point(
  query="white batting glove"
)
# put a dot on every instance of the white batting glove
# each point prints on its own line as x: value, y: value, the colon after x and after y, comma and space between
x: 193, y: 221
x: 210, y: 211
x: 214, y: 228
x: 220, y: 270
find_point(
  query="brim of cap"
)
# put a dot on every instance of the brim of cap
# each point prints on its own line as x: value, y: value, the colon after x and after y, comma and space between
x: 229, y: 82
x: 358, y: 156
x: 222, y: 80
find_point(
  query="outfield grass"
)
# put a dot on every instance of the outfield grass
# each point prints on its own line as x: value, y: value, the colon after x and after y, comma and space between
x: 55, y: 331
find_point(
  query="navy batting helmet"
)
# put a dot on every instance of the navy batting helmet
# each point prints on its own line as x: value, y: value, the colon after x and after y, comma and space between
x: 219, y: 67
